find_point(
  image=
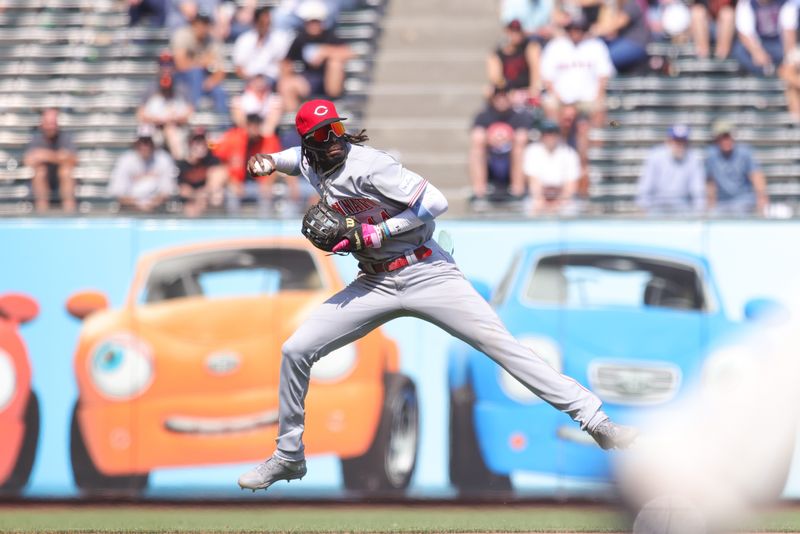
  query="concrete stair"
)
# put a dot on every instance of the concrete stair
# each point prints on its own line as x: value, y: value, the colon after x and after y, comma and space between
x: 427, y: 85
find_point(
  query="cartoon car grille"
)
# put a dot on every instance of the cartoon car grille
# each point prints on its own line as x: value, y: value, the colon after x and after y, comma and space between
x: 634, y: 384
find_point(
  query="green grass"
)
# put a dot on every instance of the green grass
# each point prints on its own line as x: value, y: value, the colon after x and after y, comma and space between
x: 281, y: 518
x: 276, y: 517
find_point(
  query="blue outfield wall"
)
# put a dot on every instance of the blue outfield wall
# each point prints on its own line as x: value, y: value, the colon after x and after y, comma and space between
x: 51, y: 259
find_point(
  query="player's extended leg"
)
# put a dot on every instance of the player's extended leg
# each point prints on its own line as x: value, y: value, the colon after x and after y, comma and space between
x: 349, y: 315
x: 439, y: 293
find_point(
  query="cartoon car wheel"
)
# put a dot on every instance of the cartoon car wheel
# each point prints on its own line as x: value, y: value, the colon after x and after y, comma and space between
x: 390, y: 460
x: 88, y: 477
x: 468, y: 472
x: 22, y: 469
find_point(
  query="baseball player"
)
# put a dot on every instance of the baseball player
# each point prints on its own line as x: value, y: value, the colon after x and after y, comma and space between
x: 384, y: 214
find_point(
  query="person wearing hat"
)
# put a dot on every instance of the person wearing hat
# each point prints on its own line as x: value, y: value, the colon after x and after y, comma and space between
x: 234, y: 148
x: 322, y: 55
x: 576, y: 68
x: 672, y: 179
x: 201, y: 176
x: 143, y: 177
x: 736, y: 183
x: 552, y: 169
x: 258, y: 98
x: 514, y: 64
x: 498, y: 138
x: 198, y: 62
x: 389, y: 215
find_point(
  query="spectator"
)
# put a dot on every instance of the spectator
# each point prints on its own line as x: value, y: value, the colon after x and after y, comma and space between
x: 574, y: 128
x: 623, y: 26
x: 515, y: 65
x: 672, y: 180
x: 155, y: 10
x: 235, y: 147
x: 166, y: 108
x: 198, y: 61
x: 670, y: 20
x: 259, y: 51
x: 201, y: 177
x: 322, y: 55
x: 52, y: 156
x: 736, y: 183
x: 565, y: 10
x: 498, y: 138
x: 238, y: 18
x: 766, y: 29
x: 288, y: 13
x: 143, y: 178
x: 181, y: 12
x: 258, y: 98
x: 713, y: 17
x: 575, y: 70
x: 552, y: 169
x: 790, y: 74
x: 534, y: 16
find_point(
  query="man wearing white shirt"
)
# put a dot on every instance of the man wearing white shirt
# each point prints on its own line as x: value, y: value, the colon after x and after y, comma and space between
x: 576, y: 69
x: 552, y: 169
x: 767, y: 30
x: 260, y: 51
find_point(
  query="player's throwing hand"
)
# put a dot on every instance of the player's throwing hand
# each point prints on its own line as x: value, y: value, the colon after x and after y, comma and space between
x: 261, y: 165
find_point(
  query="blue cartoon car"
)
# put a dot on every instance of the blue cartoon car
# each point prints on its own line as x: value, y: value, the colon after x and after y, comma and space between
x: 633, y: 324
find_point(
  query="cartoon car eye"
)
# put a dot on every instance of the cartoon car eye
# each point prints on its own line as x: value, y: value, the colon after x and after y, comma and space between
x: 8, y: 379
x: 335, y: 365
x: 121, y: 366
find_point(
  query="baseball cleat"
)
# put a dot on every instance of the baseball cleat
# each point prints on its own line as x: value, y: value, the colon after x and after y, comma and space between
x: 610, y: 435
x: 271, y: 471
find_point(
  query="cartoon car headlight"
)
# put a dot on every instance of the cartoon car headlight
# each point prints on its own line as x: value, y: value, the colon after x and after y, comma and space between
x: 545, y: 348
x: 8, y: 379
x: 335, y: 365
x: 121, y: 366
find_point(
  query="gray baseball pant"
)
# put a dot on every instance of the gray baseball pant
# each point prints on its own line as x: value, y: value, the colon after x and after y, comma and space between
x: 436, y: 291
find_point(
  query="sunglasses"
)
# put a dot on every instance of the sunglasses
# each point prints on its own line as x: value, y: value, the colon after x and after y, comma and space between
x: 323, y: 134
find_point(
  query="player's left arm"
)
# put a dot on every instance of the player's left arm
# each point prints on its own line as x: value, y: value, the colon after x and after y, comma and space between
x: 431, y: 204
x: 425, y: 202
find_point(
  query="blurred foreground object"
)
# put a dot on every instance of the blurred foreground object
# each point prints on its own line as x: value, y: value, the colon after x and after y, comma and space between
x: 727, y: 449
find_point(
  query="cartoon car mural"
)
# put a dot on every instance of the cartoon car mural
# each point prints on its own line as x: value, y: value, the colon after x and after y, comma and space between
x: 632, y: 324
x: 19, y: 406
x: 185, y: 373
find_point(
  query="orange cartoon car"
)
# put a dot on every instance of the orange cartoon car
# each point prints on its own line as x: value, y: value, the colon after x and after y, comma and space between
x: 186, y: 372
x: 19, y: 406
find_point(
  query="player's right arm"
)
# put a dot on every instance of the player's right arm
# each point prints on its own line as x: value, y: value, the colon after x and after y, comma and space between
x: 286, y: 161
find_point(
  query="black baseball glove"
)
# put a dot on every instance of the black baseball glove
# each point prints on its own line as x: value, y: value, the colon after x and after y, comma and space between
x: 325, y: 228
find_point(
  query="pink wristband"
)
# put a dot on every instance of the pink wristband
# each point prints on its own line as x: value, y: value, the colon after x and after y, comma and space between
x: 372, y: 236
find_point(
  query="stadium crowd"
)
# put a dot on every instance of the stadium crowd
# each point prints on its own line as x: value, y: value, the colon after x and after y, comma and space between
x: 546, y: 93
x: 284, y: 55
x: 547, y: 81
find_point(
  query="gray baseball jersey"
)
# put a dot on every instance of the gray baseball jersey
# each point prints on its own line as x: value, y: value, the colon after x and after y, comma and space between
x: 372, y: 186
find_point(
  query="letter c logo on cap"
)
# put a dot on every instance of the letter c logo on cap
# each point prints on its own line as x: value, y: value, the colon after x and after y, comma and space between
x: 320, y: 110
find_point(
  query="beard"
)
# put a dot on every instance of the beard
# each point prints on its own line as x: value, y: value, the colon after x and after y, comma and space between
x: 325, y: 157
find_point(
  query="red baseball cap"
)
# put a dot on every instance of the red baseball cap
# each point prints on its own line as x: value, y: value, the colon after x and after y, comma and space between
x: 315, y: 114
